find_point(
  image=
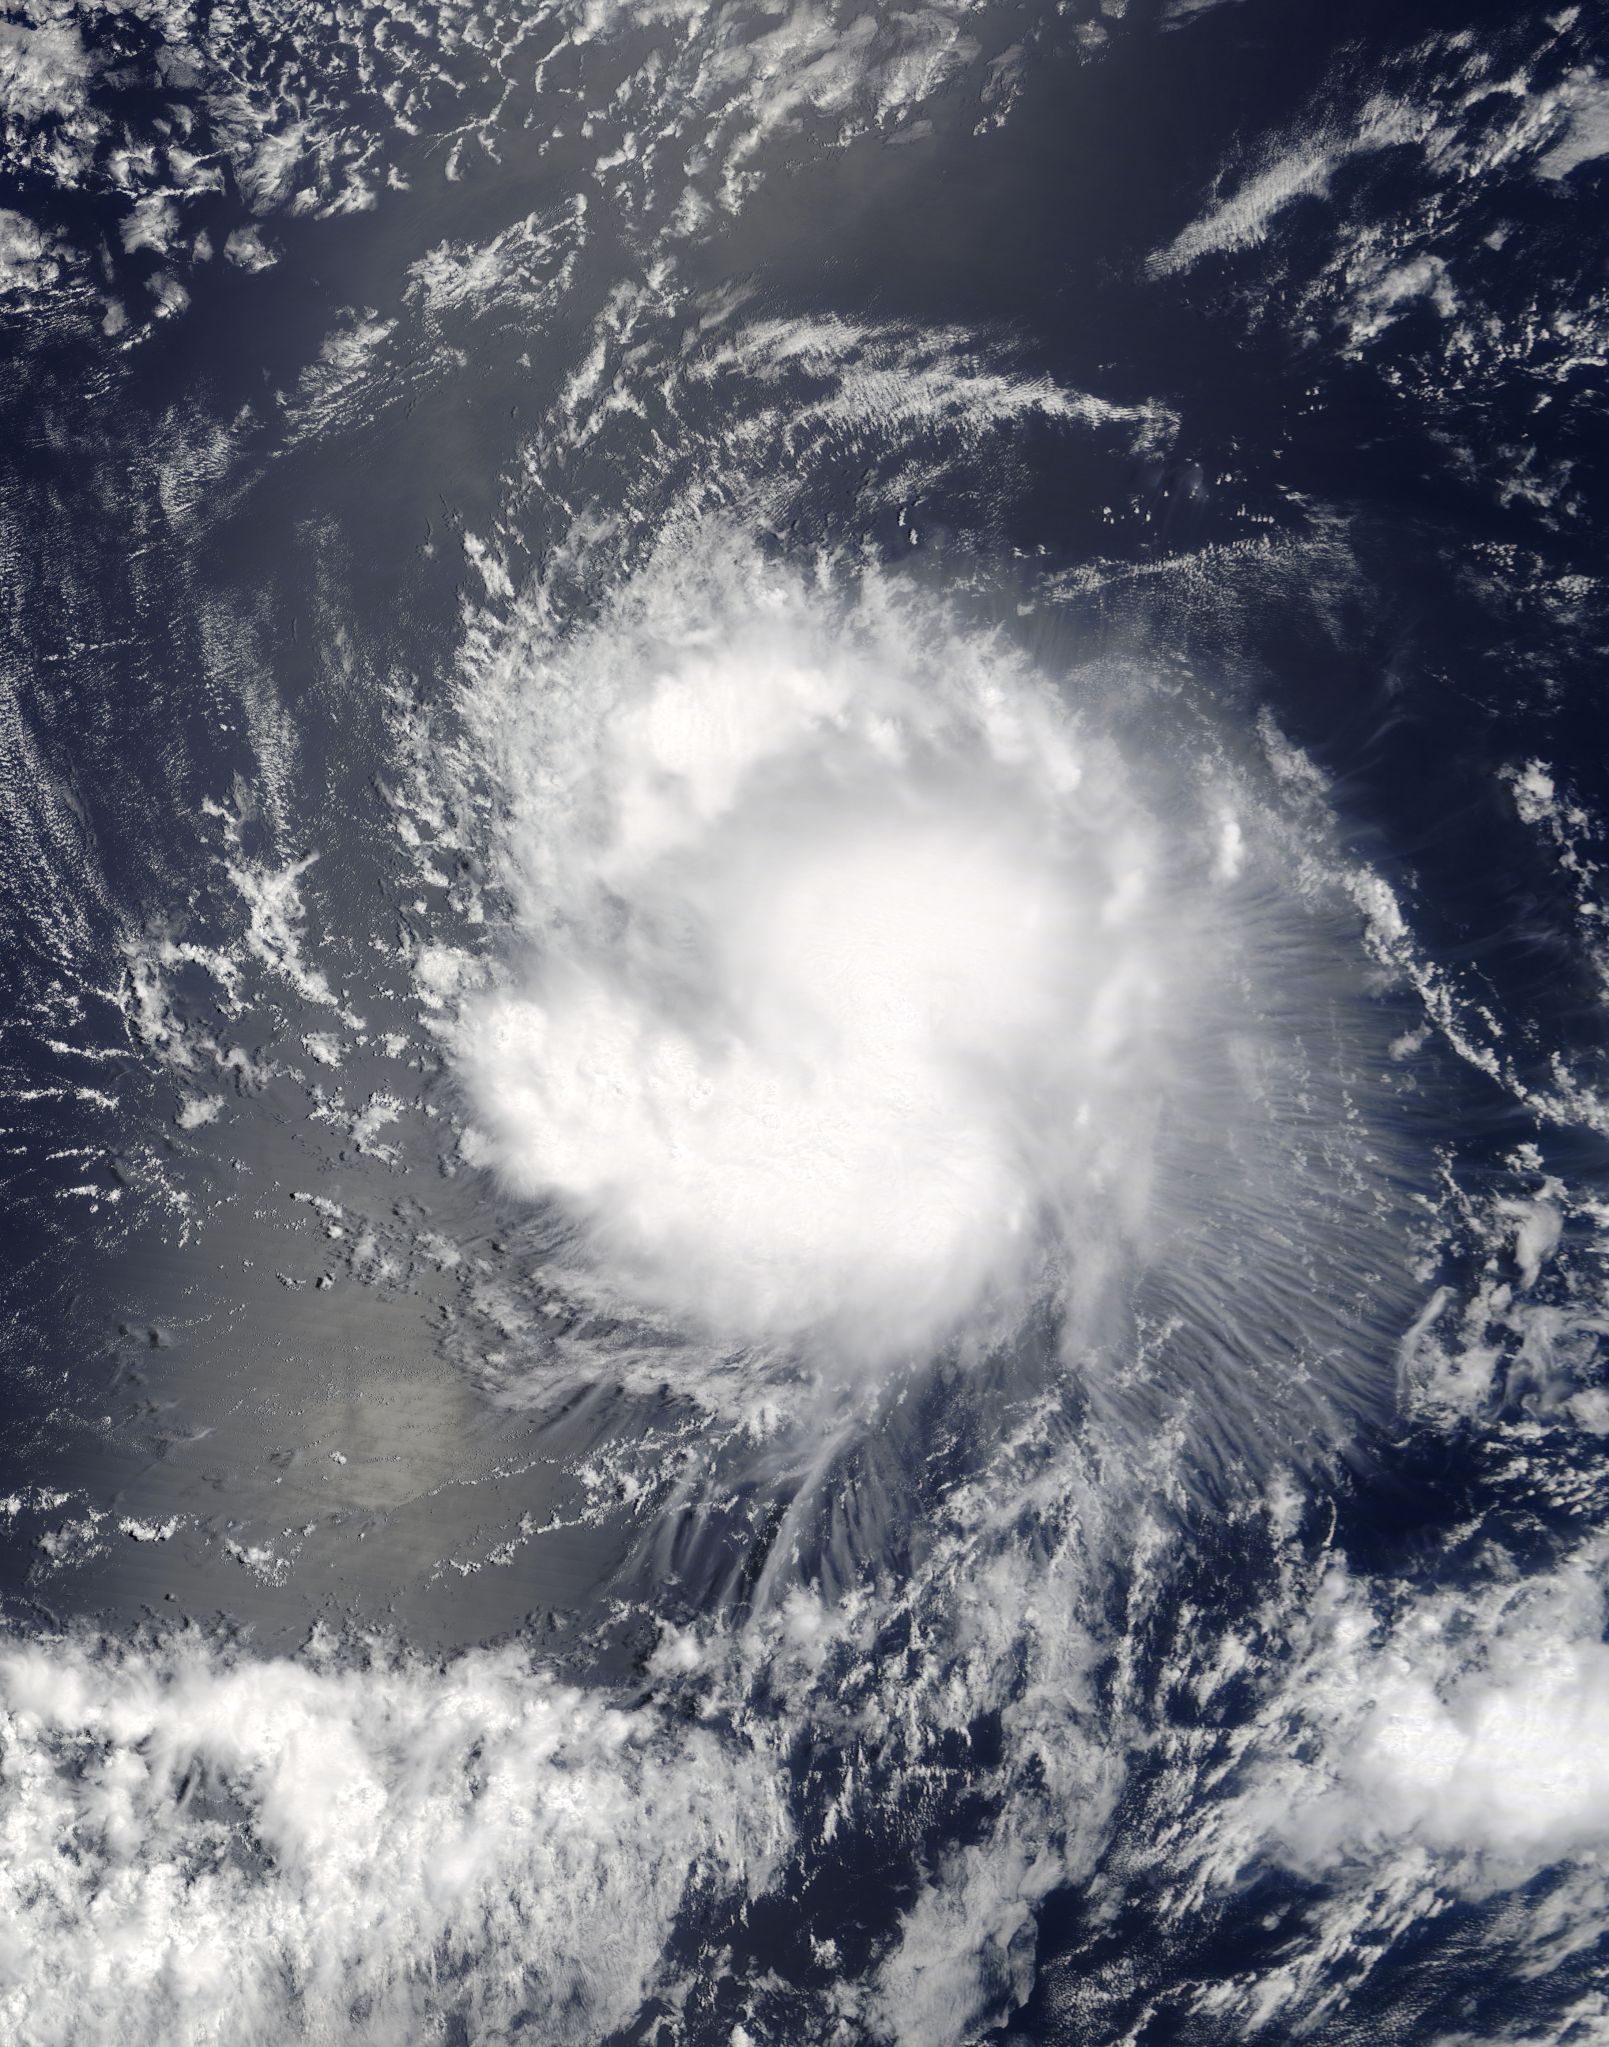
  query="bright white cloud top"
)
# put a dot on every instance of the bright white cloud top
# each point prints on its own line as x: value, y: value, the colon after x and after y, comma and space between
x: 863, y: 987
x: 844, y: 973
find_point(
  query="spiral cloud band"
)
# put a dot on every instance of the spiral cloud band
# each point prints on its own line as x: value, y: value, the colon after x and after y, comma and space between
x: 856, y: 975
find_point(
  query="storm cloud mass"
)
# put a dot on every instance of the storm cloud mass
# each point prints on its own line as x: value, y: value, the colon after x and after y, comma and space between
x: 803, y: 1074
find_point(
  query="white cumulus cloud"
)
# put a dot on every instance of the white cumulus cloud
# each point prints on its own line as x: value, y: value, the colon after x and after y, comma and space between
x: 197, y: 1849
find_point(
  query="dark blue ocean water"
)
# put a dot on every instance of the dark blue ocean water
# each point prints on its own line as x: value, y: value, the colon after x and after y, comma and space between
x: 234, y: 546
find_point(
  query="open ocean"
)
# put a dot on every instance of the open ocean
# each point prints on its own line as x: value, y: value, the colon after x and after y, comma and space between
x: 804, y: 909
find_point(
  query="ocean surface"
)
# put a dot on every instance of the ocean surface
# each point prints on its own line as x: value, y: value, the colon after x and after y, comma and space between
x: 803, y: 909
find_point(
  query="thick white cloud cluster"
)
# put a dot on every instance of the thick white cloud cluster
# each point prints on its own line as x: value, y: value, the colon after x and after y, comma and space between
x: 846, y: 959
x: 1400, y: 1747
x: 1477, y: 1724
x: 194, y: 1849
x: 1414, y: 1747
